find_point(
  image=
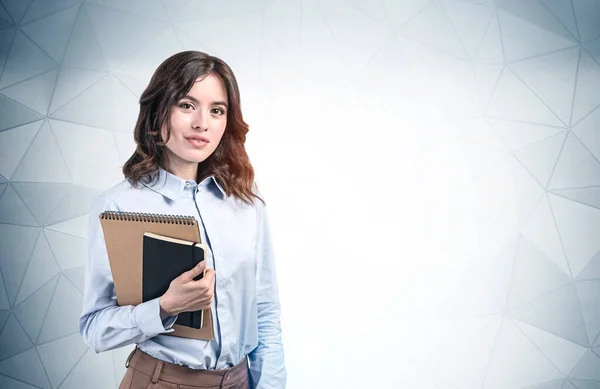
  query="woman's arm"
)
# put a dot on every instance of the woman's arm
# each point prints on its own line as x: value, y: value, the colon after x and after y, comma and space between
x: 103, y: 324
x: 267, y: 368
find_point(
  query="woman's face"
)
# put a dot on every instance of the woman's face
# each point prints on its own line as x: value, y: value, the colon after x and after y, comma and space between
x: 198, y: 121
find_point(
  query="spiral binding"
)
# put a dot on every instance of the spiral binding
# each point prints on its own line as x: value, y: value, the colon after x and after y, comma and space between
x: 147, y: 217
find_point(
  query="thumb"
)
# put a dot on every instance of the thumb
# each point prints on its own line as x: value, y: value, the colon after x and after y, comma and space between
x: 193, y: 272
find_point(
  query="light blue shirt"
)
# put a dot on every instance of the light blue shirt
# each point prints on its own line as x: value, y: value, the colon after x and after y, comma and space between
x: 245, y: 309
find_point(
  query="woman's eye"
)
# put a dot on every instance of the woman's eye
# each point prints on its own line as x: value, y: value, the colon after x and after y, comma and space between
x: 220, y: 111
x: 185, y: 105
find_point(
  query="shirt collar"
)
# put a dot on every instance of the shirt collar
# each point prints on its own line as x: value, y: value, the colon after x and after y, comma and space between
x: 172, y: 187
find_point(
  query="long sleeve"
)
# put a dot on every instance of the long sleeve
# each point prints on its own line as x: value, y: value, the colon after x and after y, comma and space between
x: 102, y: 324
x: 267, y: 364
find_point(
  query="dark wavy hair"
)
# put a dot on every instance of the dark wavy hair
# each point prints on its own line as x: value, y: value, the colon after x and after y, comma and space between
x: 171, y: 81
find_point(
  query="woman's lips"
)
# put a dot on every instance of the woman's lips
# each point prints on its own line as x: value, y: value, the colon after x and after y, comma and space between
x: 196, y: 142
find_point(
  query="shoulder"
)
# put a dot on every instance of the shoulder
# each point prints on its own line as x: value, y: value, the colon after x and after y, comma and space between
x: 256, y: 189
x: 260, y: 203
x: 118, y: 190
x: 122, y: 192
x: 233, y: 207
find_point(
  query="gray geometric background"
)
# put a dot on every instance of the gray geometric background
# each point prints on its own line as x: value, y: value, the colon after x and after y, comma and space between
x: 456, y: 143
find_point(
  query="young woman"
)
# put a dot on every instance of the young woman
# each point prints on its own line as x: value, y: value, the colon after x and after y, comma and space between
x: 190, y: 160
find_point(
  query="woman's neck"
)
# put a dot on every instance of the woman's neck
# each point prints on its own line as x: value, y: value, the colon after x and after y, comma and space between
x: 182, y: 169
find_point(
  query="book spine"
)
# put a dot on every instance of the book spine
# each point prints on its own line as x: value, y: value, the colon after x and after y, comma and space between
x: 193, y: 317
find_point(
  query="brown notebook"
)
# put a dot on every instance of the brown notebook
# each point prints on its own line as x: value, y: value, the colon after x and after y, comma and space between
x: 124, y: 234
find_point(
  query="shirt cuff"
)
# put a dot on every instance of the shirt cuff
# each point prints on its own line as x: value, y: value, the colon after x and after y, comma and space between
x: 169, y: 321
x: 147, y: 317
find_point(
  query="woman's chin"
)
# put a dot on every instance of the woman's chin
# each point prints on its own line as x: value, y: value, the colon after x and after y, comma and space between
x: 196, y: 158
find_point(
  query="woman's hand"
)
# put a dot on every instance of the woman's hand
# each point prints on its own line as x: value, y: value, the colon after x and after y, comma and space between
x: 186, y: 295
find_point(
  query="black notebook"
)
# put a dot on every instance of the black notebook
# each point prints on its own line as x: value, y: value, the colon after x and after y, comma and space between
x: 164, y: 259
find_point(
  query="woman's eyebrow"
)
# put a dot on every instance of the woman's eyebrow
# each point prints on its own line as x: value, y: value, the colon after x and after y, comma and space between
x: 197, y: 102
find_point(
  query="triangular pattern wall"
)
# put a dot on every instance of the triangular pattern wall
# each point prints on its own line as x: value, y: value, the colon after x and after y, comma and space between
x: 491, y: 106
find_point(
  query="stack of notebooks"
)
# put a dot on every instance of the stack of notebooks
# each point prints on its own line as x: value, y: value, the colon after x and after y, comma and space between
x: 146, y: 252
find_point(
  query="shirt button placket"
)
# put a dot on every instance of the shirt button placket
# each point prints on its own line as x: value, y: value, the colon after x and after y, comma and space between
x: 223, y: 319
